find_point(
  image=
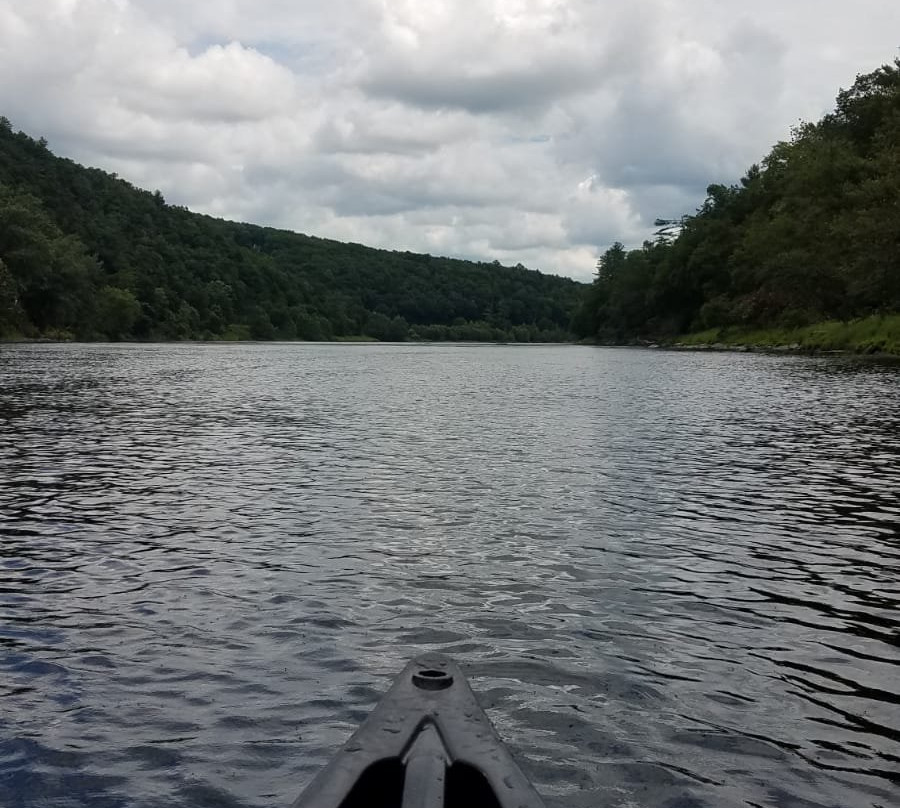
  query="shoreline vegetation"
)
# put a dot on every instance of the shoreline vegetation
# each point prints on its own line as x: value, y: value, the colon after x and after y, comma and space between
x: 875, y: 335
x: 803, y: 254
x: 56, y: 338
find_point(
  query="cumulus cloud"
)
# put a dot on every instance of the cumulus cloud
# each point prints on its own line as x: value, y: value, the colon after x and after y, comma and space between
x: 533, y: 131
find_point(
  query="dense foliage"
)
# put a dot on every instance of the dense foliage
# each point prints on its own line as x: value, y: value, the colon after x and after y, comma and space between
x: 85, y: 254
x: 811, y: 234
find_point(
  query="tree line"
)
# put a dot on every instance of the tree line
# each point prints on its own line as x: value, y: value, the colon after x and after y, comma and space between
x: 812, y: 233
x: 85, y: 255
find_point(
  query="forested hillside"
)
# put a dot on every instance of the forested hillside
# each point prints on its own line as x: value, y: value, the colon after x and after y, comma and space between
x: 84, y: 254
x: 812, y: 234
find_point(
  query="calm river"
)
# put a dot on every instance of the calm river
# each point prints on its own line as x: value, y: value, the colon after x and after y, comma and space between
x: 673, y: 578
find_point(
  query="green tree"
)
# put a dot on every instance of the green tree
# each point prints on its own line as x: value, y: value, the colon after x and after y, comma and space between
x: 117, y: 312
x: 11, y: 315
x: 52, y: 272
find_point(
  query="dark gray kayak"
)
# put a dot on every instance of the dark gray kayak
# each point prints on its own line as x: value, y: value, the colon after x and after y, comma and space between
x: 427, y: 744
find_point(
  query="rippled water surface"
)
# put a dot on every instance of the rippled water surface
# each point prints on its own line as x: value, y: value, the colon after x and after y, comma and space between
x: 673, y: 578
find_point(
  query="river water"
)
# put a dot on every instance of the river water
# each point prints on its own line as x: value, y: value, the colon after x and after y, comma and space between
x: 673, y: 578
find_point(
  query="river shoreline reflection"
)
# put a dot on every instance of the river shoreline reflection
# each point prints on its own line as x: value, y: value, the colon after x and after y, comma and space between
x: 672, y: 578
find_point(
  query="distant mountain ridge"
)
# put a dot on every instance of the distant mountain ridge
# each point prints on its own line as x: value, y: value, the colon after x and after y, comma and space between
x: 87, y: 255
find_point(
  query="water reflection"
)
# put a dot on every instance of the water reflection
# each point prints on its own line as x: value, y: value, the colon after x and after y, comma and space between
x: 673, y: 577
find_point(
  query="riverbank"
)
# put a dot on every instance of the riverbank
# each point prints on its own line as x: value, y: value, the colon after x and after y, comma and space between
x: 869, y: 335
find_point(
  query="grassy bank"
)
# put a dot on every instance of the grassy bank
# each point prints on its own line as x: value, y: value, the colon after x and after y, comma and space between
x: 869, y: 335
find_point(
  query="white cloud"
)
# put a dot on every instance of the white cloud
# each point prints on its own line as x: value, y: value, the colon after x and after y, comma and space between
x: 525, y: 130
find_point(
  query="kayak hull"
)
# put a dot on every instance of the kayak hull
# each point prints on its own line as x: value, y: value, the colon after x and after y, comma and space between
x: 427, y: 744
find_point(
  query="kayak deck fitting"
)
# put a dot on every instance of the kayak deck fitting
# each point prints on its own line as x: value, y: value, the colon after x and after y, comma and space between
x: 427, y: 744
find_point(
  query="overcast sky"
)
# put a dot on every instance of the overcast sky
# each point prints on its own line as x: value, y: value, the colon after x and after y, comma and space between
x: 532, y: 131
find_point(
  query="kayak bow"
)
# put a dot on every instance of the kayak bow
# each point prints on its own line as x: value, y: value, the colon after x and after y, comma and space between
x: 427, y: 744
